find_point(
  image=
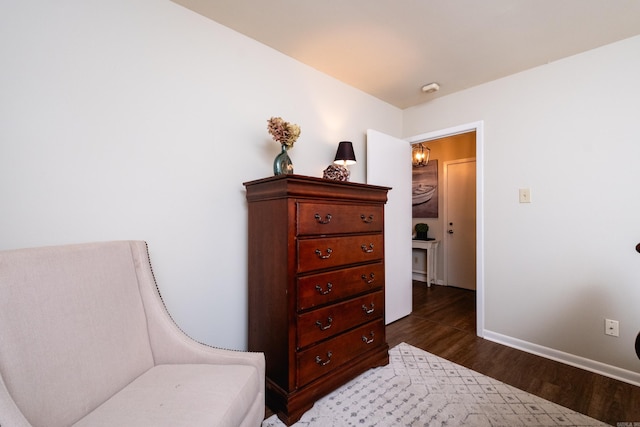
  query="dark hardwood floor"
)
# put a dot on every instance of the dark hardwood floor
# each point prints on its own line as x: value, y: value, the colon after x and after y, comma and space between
x: 443, y: 323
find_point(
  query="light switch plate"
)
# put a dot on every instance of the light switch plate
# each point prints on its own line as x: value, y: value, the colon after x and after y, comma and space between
x: 525, y: 195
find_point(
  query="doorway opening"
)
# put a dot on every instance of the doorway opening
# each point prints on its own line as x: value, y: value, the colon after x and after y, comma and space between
x: 443, y: 226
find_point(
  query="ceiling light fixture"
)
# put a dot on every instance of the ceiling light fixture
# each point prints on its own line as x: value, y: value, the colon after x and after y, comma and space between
x: 431, y: 88
x: 420, y: 154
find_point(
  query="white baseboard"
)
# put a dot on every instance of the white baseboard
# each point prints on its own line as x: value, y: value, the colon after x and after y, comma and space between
x: 421, y: 277
x: 566, y: 358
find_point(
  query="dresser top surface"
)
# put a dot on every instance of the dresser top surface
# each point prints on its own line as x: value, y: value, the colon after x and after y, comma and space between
x: 284, y: 186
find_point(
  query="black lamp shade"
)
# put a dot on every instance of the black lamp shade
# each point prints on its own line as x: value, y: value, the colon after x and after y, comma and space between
x: 345, y: 155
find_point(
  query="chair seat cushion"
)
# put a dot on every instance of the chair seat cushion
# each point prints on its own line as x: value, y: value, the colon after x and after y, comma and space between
x: 181, y: 396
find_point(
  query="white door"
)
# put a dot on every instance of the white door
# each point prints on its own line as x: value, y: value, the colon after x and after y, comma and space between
x: 460, y: 223
x: 389, y: 165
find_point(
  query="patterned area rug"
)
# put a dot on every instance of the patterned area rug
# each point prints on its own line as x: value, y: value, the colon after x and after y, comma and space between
x: 420, y: 389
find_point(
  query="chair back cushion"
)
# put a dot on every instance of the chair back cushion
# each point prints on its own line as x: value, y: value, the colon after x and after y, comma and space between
x: 72, y: 328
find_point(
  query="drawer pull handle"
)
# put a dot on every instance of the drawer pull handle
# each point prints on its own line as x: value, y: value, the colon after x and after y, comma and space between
x: 370, y: 280
x: 326, y: 220
x: 319, y: 253
x: 323, y: 292
x: 321, y: 362
x: 367, y: 340
x: 322, y: 327
x: 368, y: 310
x: 367, y: 249
x: 367, y: 219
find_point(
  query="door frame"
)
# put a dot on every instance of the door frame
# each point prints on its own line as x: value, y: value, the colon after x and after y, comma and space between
x: 478, y: 127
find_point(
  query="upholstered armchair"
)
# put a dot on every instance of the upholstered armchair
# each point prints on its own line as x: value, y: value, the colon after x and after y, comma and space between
x: 86, y: 341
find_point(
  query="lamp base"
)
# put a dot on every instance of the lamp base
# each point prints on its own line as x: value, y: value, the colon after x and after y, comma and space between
x: 336, y: 173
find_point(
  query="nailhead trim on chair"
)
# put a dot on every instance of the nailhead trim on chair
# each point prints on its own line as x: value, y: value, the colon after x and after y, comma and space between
x: 169, y: 313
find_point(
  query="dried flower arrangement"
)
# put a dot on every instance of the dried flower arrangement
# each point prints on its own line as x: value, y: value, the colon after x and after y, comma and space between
x: 283, y: 132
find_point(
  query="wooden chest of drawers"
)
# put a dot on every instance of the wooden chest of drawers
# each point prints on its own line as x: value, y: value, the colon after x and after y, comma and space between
x: 316, y: 285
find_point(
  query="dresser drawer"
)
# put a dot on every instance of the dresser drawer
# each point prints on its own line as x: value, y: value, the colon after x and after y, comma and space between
x: 329, y: 355
x: 323, y: 288
x: 324, y: 218
x: 326, y: 252
x: 326, y: 322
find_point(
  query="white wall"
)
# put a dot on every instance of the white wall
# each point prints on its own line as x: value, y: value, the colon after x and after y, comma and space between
x: 141, y: 120
x: 556, y: 268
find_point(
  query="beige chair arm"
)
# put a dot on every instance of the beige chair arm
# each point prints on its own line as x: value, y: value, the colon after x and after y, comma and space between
x: 169, y: 344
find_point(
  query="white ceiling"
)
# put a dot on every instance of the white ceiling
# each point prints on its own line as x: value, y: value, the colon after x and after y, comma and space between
x: 391, y: 48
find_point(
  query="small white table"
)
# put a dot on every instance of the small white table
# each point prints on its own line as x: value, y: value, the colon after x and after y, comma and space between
x: 431, y: 246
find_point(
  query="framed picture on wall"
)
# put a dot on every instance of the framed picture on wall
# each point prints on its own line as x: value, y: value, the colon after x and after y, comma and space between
x: 425, y: 190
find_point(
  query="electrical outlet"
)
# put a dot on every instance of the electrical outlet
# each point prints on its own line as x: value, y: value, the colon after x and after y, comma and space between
x: 525, y: 195
x: 612, y: 327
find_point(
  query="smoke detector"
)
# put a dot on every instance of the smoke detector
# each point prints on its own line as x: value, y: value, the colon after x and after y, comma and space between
x: 431, y: 88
